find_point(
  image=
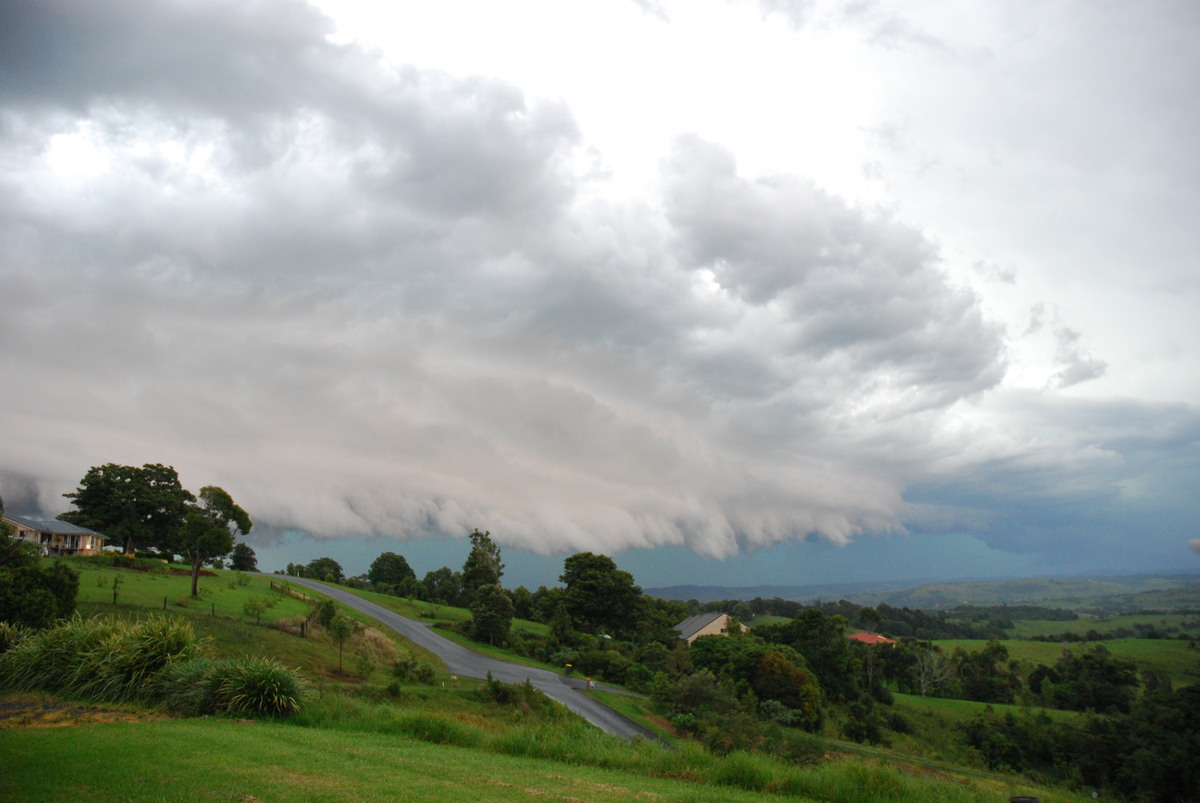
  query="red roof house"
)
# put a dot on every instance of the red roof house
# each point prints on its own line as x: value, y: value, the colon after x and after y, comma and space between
x: 871, y: 638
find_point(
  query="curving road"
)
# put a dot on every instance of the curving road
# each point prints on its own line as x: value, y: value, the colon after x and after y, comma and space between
x: 462, y: 661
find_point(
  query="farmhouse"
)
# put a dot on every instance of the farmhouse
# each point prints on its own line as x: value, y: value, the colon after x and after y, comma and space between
x: 871, y: 638
x: 57, y: 537
x: 703, y: 624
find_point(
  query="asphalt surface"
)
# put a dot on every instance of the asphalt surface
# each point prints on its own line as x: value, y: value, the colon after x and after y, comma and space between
x: 459, y: 660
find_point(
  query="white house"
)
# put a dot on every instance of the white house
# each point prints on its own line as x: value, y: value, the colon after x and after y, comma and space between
x: 55, y: 537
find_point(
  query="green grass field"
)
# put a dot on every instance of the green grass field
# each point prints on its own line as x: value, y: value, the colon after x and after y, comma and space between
x: 1180, y: 661
x: 215, y: 759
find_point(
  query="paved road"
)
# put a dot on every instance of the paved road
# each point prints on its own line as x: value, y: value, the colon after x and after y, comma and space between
x: 468, y: 663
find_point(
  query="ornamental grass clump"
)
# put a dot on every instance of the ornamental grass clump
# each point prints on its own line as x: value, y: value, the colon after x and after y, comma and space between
x: 259, y: 686
x: 125, y: 664
x: 253, y: 686
x: 46, y: 660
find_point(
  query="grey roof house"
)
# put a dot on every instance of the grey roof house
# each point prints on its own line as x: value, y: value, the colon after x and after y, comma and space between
x: 703, y: 624
x: 55, y: 537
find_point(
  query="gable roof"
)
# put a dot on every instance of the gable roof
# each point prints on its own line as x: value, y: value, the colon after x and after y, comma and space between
x: 871, y: 638
x: 52, y: 526
x: 694, y: 624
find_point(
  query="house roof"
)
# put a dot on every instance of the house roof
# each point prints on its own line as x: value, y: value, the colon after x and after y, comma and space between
x: 871, y: 638
x: 694, y: 624
x: 52, y: 526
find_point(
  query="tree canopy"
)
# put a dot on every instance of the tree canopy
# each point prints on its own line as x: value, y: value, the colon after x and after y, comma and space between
x: 208, y: 529
x: 598, y: 595
x: 492, y: 613
x: 243, y: 559
x: 133, y: 506
x: 483, y: 566
x: 390, y: 569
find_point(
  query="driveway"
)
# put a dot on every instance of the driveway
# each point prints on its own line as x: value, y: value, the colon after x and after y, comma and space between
x: 462, y: 661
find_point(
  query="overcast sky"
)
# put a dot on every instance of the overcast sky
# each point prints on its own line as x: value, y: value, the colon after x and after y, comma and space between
x: 737, y: 292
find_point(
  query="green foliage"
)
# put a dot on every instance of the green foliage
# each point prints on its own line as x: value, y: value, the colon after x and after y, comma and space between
x: 341, y: 629
x: 444, y: 586
x: 390, y: 569
x: 325, y: 613
x: 243, y: 559
x: 245, y: 686
x: 131, y: 505
x: 985, y: 676
x: 599, y: 597
x: 36, y: 595
x: 157, y: 659
x: 409, y: 667
x: 492, y: 613
x: 208, y: 528
x: 822, y: 641
x: 483, y: 566
x: 1091, y: 681
x: 103, y: 659
x: 325, y: 569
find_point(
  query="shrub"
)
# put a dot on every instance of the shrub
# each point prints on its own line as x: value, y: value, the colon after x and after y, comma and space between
x: 259, y: 686
x: 129, y: 657
x: 410, y: 668
x: 97, y: 658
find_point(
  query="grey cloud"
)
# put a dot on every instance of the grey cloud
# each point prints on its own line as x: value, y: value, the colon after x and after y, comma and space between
x: 1077, y: 364
x: 378, y: 301
x: 861, y: 289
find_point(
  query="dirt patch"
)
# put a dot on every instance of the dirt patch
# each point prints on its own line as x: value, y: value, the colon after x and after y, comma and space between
x: 31, y: 712
x: 188, y: 572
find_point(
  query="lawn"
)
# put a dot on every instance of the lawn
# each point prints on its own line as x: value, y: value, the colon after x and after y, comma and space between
x: 246, y: 761
x: 224, y: 594
x: 224, y: 760
x: 1177, y: 658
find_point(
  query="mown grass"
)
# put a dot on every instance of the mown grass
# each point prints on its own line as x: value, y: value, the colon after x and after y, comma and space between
x: 961, y: 711
x: 227, y: 760
x: 223, y: 595
x: 1180, y: 661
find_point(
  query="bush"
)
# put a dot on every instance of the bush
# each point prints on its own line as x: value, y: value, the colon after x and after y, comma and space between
x: 410, y: 668
x: 259, y: 686
x: 97, y: 658
x: 256, y: 686
x: 121, y: 665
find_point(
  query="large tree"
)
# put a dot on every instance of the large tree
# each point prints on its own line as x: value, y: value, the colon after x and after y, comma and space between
x: 391, y: 569
x: 243, y: 559
x: 134, y: 506
x: 598, y: 595
x: 483, y: 566
x: 208, y: 529
x: 325, y: 569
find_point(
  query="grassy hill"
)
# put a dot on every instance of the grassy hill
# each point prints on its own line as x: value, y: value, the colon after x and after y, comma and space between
x: 369, y: 735
x: 1099, y: 595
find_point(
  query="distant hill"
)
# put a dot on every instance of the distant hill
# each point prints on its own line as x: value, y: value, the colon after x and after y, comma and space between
x: 798, y: 593
x: 1102, y: 594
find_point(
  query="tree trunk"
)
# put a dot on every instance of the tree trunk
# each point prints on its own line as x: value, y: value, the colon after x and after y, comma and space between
x: 195, y: 576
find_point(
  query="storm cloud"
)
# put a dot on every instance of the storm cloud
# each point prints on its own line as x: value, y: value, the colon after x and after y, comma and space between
x: 379, y: 299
